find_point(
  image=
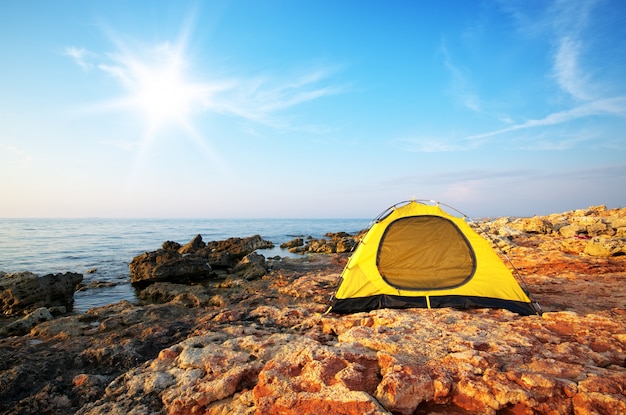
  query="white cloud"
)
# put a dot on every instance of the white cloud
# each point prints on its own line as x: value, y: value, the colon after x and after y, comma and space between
x: 80, y: 56
x: 567, y: 70
x: 117, y: 72
x: 610, y: 106
x: 570, y: 21
x: 261, y: 100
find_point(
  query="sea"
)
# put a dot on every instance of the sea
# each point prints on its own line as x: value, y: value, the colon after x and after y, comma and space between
x: 102, y: 249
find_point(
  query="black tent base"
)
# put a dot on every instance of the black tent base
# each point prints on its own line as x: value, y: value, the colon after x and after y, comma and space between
x: 355, y: 305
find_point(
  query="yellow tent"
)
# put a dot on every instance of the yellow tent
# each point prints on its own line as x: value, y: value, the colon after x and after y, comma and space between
x: 417, y: 255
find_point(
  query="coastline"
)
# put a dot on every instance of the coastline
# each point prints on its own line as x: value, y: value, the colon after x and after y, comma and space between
x: 264, y: 345
x: 107, y: 246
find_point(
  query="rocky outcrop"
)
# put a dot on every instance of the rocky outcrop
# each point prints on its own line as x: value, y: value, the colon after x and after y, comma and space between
x: 596, y: 231
x: 197, y: 261
x: 167, y: 265
x: 264, y: 346
x: 605, y: 247
x: 384, y: 362
x: 251, y: 266
x: 65, y: 363
x: 332, y: 243
x: 25, y: 291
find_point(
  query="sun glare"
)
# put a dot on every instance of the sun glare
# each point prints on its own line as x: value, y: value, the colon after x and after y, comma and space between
x: 160, y: 90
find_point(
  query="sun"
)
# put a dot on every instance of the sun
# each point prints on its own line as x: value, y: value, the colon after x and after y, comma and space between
x: 160, y: 90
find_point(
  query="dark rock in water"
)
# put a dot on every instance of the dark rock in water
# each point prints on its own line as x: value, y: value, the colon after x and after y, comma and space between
x: 196, y: 260
x: 193, y: 245
x: 25, y: 291
x: 294, y: 243
x: 227, y: 253
x: 167, y: 265
x: 240, y: 246
x: 337, y: 235
x: 95, y: 284
x: 334, y: 242
x: 171, y: 246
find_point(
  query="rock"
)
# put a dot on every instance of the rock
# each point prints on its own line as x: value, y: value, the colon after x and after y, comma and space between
x: 338, y: 242
x: 586, y: 226
x: 574, y: 246
x: 507, y: 231
x: 165, y: 292
x: 26, y: 291
x: 306, y: 377
x: 193, y: 245
x: 89, y: 387
x: 502, y: 243
x: 240, y: 246
x: 570, y: 231
x: 346, y: 244
x: 294, y: 243
x: 252, y: 266
x: 535, y: 224
x: 26, y: 323
x: 171, y: 246
x: 226, y: 254
x: 404, y: 386
x: 383, y: 362
x: 606, y: 247
x: 196, y: 260
x: 96, y: 284
x: 602, y: 393
x: 167, y: 265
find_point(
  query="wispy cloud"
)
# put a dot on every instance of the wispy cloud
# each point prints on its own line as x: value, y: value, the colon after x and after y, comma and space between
x: 609, y: 106
x: 567, y: 70
x: 261, y: 99
x: 569, y: 22
x: 565, y: 24
x: 80, y: 56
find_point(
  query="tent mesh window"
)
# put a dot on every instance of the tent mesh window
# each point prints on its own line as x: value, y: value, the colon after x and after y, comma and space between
x: 425, y: 253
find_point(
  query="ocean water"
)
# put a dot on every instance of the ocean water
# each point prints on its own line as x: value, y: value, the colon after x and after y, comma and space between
x: 45, y: 246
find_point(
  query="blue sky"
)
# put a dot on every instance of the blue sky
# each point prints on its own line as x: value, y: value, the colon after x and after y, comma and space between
x: 310, y: 108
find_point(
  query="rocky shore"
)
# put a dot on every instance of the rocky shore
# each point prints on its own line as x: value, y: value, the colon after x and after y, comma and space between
x: 220, y: 329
